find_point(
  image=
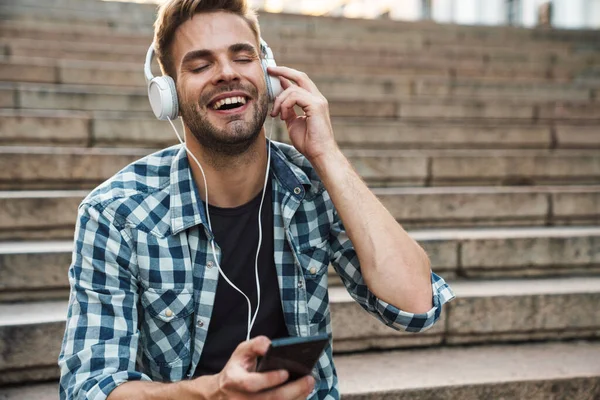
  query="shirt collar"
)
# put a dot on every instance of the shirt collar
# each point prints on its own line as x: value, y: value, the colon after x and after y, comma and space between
x: 291, y: 176
x: 186, y: 207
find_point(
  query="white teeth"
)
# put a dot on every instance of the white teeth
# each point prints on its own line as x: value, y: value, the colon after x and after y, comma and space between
x: 230, y: 100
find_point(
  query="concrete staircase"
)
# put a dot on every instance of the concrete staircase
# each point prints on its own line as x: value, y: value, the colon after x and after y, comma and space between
x: 483, y: 142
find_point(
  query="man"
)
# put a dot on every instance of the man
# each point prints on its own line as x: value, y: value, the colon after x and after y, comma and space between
x: 148, y: 301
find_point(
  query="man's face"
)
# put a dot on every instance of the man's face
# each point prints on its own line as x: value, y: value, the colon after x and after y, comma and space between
x: 220, y: 82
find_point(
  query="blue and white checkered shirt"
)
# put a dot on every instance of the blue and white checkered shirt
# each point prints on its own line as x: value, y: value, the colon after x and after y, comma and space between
x: 143, y: 278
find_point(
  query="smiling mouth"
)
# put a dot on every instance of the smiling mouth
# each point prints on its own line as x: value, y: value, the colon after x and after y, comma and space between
x: 229, y: 103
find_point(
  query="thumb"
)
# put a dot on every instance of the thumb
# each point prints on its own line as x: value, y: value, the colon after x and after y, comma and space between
x: 251, y: 349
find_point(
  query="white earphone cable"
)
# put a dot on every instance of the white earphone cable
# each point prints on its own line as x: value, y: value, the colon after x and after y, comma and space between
x: 260, y: 226
x: 251, y: 319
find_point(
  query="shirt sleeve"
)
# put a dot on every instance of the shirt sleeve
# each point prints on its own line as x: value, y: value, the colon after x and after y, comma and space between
x: 345, y: 261
x: 101, y: 337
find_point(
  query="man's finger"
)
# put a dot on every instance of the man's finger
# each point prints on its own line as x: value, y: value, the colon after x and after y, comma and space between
x: 282, y: 98
x: 252, y: 348
x: 285, y: 83
x: 254, y: 382
x: 299, y: 388
x: 298, y: 98
x: 287, y: 107
x: 292, y: 74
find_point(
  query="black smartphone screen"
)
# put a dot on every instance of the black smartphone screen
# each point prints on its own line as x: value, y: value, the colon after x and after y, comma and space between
x: 297, y: 355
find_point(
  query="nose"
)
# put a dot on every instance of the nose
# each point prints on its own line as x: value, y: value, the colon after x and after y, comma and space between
x: 226, y: 73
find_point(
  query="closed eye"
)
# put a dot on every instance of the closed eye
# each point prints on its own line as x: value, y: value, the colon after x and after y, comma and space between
x: 200, y: 69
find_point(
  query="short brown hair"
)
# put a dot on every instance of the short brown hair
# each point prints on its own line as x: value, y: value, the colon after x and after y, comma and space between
x: 173, y: 13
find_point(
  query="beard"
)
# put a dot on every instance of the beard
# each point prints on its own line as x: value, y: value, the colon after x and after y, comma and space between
x: 237, y: 137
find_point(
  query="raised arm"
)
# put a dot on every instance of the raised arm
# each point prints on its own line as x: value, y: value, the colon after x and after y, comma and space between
x: 395, y: 268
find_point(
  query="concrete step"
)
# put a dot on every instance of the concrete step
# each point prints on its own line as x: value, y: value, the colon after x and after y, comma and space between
x: 411, y: 69
x: 47, y: 128
x: 47, y: 30
x: 34, y: 270
x: 469, y: 168
x: 512, y: 252
x: 299, y: 49
x: 104, y: 18
x: 39, y: 391
x: 322, y: 61
x: 39, y: 215
x: 302, y: 53
x: 350, y: 132
x: 413, y: 82
x: 559, y: 371
x: 51, y: 215
x: 497, y: 206
x: 312, y: 24
x: 483, y: 312
x: 84, y: 168
x: 289, y: 39
x: 124, y: 99
x: 30, y: 339
x: 321, y: 52
x: 385, y: 78
x: 73, y: 50
x: 465, y: 88
x: 142, y: 21
x: 91, y: 6
x: 37, y: 270
x: 62, y: 168
x: 30, y: 127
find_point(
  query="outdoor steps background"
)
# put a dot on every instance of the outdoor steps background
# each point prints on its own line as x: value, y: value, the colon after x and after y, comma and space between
x: 483, y: 142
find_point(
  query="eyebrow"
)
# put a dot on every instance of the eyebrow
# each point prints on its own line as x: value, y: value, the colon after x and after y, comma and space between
x: 204, y: 53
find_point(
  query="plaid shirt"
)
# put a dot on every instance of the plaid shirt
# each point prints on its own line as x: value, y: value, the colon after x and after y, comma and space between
x: 143, y: 278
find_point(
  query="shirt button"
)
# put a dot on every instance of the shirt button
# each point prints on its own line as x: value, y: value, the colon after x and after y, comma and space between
x: 200, y: 323
x: 300, y: 285
x: 297, y: 190
x: 210, y: 264
x: 169, y: 313
x: 313, y: 270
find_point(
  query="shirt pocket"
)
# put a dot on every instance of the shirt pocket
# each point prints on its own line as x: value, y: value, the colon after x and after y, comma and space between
x: 314, y: 263
x: 166, y: 324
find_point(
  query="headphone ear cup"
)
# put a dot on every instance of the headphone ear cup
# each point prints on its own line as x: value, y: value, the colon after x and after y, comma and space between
x: 163, y: 97
x: 274, y: 88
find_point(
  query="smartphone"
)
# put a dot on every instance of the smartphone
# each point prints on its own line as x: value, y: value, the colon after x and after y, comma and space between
x: 297, y: 355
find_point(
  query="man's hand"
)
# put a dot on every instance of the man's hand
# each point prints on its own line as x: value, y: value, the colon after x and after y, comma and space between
x: 311, y: 133
x: 239, y: 381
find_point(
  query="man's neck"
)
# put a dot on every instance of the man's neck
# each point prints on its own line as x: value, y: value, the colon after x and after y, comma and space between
x: 231, y: 181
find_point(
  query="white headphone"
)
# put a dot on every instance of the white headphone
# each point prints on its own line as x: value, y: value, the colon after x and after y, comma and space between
x: 163, y: 94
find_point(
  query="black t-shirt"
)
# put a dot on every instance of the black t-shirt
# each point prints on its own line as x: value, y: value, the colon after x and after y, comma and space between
x: 236, y: 233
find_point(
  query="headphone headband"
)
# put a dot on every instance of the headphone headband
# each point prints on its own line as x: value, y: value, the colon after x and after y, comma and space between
x: 266, y: 50
x: 148, y: 63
